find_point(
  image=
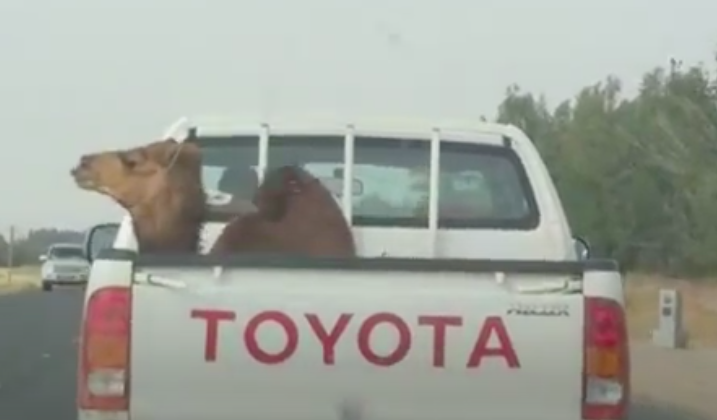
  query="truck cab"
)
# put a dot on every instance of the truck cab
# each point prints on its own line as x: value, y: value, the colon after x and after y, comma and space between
x: 469, y: 293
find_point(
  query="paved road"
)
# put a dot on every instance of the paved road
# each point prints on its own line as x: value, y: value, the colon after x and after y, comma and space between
x: 37, y: 355
x: 37, y: 360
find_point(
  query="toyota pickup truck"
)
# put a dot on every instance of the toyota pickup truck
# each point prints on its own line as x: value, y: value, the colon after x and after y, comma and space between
x: 470, y: 297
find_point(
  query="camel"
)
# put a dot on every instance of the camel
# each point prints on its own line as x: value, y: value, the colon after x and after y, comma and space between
x: 159, y: 184
x: 296, y: 214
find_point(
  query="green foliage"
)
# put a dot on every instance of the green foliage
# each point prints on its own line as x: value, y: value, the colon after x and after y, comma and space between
x: 637, y: 176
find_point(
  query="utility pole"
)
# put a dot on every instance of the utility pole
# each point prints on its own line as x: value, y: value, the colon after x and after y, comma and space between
x: 10, y: 257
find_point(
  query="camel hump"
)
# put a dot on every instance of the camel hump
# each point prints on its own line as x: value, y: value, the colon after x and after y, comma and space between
x: 296, y: 214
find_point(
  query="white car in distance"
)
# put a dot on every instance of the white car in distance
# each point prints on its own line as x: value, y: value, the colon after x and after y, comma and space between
x: 64, y: 264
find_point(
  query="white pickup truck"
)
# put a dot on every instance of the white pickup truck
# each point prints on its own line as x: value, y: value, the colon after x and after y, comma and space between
x: 470, y: 298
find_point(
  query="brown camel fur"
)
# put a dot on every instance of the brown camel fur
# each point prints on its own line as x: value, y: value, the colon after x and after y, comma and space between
x: 159, y: 184
x: 295, y: 214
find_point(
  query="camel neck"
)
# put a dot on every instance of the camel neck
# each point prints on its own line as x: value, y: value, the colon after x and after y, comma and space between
x: 169, y: 227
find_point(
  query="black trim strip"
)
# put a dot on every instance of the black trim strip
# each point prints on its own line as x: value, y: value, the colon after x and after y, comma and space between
x: 359, y: 264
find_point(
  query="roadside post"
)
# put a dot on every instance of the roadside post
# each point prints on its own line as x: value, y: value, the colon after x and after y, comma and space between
x: 670, y: 331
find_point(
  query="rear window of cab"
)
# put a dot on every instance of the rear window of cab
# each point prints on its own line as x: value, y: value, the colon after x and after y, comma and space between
x: 480, y: 185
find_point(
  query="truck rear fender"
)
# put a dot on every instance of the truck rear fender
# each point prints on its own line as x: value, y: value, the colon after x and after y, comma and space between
x: 104, y: 345
x: 606, y: 362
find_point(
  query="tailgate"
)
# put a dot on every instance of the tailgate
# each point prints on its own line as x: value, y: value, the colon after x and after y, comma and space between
x: 281, y: 344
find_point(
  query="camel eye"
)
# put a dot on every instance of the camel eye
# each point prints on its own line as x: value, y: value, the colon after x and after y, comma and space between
x: 130, y: 161
x: 294, y: 186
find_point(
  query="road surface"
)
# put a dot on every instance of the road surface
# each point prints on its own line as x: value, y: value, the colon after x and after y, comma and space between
x: 38, y: 350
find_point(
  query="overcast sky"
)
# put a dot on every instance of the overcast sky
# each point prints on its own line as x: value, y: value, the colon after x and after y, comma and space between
x: 82, y: 75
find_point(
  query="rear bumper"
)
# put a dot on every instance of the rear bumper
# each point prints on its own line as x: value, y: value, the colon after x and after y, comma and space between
x: 102, y: 415
x: 66, y: 279
x: 123, y: 415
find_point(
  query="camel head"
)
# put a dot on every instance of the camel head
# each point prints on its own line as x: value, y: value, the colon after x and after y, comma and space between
x: 135, y: 176
x: 279, y: 188
x: 296, y: 214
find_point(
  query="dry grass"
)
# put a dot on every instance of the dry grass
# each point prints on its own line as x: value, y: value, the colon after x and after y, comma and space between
x: 23, y: 278
x: 699, y: 301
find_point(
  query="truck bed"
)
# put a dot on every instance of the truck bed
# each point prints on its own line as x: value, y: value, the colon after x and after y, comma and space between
x: 373, y: 339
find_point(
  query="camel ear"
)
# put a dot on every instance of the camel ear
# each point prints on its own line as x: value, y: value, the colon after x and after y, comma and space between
x: 164, y: 151
x: 291, y: 175
x: 284, y: 176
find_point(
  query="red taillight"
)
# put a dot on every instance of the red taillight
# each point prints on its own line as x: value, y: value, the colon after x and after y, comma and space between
x: 103, y: 375
x: 606, y: 379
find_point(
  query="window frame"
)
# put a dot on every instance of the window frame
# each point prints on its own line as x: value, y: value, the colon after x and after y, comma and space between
x: 530, y: 221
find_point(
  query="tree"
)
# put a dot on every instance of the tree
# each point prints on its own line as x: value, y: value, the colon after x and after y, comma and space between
x: 635, y: 174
